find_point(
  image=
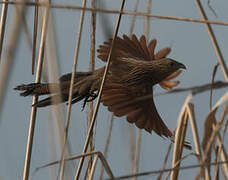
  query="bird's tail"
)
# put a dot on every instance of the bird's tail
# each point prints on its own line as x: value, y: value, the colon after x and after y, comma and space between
x: 54, y: 99
x: 44, y: 102
x: 57, y: 99
x: 35, y: 88
x: 41, y: 89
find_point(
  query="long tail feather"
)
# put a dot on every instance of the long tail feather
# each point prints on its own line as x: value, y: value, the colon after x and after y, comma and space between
x: 43, y: 103
x: 55, y: 99
x: 35, y: 89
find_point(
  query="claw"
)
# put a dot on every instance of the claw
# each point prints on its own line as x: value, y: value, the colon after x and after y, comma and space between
x: 84, y: 103
x: 88, y: 98
x: 91, y: 97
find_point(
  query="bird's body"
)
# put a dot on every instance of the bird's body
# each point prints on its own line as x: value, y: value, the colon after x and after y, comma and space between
x: 133, y: 71
x: 136, y: 75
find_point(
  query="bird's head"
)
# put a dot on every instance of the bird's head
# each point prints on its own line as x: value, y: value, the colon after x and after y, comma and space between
x: 162, y: 68
x: 168, y: 66
x: 171, y: 65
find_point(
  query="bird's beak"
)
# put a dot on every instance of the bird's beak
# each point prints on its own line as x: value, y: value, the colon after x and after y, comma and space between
x: 182, y: 66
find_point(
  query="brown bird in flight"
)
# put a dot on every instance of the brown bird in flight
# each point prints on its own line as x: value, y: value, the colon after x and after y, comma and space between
x: 133, y: 72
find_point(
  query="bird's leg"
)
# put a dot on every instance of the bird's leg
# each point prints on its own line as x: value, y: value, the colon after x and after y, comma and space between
x: 85, y: 101
x: 77, y: 99
x: 88, y: 98
x: 91, y: 97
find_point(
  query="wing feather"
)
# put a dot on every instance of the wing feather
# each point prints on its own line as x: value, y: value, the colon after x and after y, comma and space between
x: 122, y: 101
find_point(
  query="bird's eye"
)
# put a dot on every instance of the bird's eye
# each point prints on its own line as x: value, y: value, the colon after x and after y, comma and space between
x: 171, y: 64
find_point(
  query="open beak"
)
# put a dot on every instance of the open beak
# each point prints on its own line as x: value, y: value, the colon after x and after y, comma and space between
x: 182, y: 66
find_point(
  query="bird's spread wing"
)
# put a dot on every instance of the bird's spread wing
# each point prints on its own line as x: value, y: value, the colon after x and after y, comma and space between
x: 122, y: 101
x: 139, y: 49
x: 125, y: 47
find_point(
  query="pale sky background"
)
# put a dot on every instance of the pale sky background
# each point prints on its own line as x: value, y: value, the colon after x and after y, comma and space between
x: 190, y: 45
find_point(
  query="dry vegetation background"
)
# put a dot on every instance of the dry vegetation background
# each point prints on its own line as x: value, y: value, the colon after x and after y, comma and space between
x: 64, y: 36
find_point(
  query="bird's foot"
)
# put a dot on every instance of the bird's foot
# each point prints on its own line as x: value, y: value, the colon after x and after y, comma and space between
x: 90, y: 97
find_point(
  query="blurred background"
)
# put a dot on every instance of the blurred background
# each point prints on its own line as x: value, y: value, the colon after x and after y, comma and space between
x: 190, y: 44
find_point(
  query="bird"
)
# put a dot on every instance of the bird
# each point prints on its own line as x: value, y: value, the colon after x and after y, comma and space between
x: 134, y: 70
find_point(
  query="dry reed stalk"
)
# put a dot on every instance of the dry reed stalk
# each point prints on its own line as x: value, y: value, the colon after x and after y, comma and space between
x: 35, y: 28
x: 26, y: 29
x: 165, y: 161
x: 3, y: 25
x: 106, y: 166
x: 52, y: 75
x: 91, y: 174
x: 107, y: 144
x: 177, y: 146
x: 105, y: 21
x: 147, y: 173
x: 52, y: 149
x: 93, y: 38
x: 100, y: 156
x: 179, y: 142
x: 223, y: 154
x: 225, y: 71
x: 35, y: 98
x: 147, y: 20
x: 224, y: 130
x: 214, y: 41
x: 196, y: 89
x: 139, y: 134
x: 132, y: 143
x: 178, y: 162
x: 220, y: 60
x: 191, y: 114
x: 219, y: 139
x: 175, y: 18
x: 99, y: 94
x: 132, y: 26
x: 212, y: 83
x: 223, y: 99
x: 10, y: 50
x: 137, y: 153
x: 217, y: 152
x: 91, y: 68
x: 61, y: 168
x: 216, y: 129
x: 208, y: 129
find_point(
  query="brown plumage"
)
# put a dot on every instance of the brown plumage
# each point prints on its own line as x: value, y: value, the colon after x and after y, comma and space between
x: 133, y: 71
